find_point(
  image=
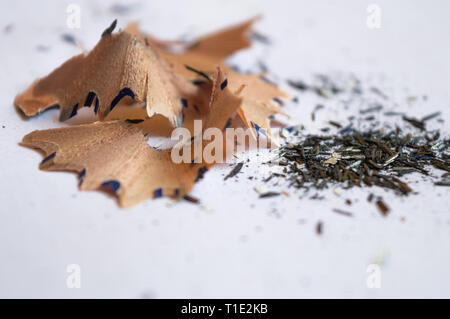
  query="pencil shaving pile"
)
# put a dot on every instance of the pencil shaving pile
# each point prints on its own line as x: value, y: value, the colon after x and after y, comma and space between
x: 167, y: 90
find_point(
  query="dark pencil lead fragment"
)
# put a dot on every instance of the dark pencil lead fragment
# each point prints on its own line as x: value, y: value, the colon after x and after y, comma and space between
x: 415, y: 122
x: 278, y: 100
x: 66, y: 37
x: 200, y: 173
x: 191, y: 199
x: 269, y: 194
x: 299, y: 85
x: 431, y: 116
x: 342, y: 212
x: 109, y: 29
x: 234, y: 171
x: 260, y: 37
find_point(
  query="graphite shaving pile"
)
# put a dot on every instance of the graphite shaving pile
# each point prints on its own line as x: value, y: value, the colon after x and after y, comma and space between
x: 364, y: 153
x: 373, y: 158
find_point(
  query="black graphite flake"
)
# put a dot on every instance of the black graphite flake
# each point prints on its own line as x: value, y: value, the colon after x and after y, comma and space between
x: 260, y: 37
x: 191, y: 199
x: 431, y: 116
x: 342, y: 212
x: 234, y: 171
x: 269, y: 194
x: 420, y: 124
x: 66, y: 37
x: 109, y: 29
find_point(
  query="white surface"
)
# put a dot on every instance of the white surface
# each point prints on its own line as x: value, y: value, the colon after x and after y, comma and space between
x: 245, y: 247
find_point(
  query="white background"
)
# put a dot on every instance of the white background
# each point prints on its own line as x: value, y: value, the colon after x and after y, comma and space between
x: 242, y: 246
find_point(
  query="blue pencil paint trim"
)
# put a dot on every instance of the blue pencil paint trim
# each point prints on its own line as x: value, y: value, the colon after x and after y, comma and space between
x: 82, y: 173
x: 290, y: 129
x: 124, y: 92
x: 224, y: 84
x: 271, y: 116
x: 184, y: 102
x: 201, y: 171
x: 259, y: 129
x: 113, y: 184
x: 97, y: 104
x: 81, y: 176
x: 278, y: 100
x: 49, y: 157
x: 158, y: 193
x: 182, y: 116
x: 228, y: 123
x: 89, y: 99
x: 74, y: 111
